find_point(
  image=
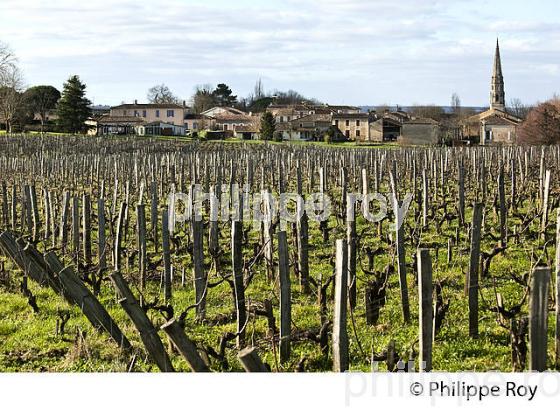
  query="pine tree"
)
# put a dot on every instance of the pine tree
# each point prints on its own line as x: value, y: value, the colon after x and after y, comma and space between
x: 73, y: 108
x: 223, y: 96
x: 268, y: 126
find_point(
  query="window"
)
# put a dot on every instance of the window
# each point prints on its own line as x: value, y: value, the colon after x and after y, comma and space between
x: 347, y: 134
x: 157, y: 113
x: 225, y: 127
x: 357, y: 133
x: 170, y: 113
x: 336, y: 122
x: 281, y: 119
x: 144, y: 113
x: 194, y: 125
x: 357, y: 123
x: 125, y: 112
x: 347, y: 123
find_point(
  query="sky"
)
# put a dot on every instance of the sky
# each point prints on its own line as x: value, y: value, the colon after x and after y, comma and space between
x: 359, y: 52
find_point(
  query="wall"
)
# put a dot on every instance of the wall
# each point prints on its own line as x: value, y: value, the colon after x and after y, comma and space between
x: 349, y: 127
x: 177, y: 119
x: 420, y: 134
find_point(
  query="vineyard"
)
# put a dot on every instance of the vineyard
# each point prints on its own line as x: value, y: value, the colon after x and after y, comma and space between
x: 98, y: 273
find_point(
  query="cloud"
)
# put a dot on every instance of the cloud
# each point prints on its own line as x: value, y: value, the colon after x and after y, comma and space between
x: 379, y: 50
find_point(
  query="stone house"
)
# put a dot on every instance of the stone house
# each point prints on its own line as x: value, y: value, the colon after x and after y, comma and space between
x: 421, y: 131
x: 307, y: 128
x: 354, y: 126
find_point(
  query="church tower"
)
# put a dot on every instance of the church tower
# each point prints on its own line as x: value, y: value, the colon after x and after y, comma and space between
x: 497, y: 95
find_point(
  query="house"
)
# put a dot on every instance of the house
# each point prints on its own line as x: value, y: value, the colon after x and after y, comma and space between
x: 168, y: 113
x: 227, y: 119
x: 123, y: 125
x: 387, y: 128
x: 495, y: 125
x: 421, y: 131
x: 247, y: 132
x: 306, y: 128
x: 222, y: 110
x: 340, y: 109
x: 126, y: 118
x: 160, y: 128
x: 195, y: 122
x: 287, y: 112
x: 354, y: 126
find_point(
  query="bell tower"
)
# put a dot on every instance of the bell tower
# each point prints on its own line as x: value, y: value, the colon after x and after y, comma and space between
x: 497, y: 94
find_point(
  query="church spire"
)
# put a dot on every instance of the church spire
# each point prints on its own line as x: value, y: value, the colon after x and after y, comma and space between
x: 497, y: 94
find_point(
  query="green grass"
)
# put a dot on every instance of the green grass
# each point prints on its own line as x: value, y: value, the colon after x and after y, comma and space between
x: 29, y: 342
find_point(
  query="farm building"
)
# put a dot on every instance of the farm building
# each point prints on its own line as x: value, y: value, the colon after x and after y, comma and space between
x: 421, y: 131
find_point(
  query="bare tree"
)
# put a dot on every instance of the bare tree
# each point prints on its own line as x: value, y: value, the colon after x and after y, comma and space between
x: 259, y: 90
x: 517, y: 108
x: 7, y: 58
x: 11, y: 100
x: 203, y: 98
x: 542, y: 125
x: 427, y: 111
x: 456, y: 104
x: 161, y: 94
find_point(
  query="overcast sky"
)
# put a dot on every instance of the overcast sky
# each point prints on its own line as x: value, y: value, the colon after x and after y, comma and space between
x: 362, y: 52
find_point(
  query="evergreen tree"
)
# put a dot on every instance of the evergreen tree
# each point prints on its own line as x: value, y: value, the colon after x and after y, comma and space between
x: 268, y: 126
x: 73, y: 108
x: 223, y: 96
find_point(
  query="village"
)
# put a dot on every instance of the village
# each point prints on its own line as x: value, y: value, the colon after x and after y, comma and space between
x: 306, y: 121
x: 280, y: 119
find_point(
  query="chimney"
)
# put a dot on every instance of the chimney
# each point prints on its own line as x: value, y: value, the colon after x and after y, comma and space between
x: 184, y: 103
x: 135, y: 102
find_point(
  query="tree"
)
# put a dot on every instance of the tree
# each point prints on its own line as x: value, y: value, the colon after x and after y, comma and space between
x: 268, y: 126
x: 203, y: 98
x: 11, y: 87
x: 292, y: 97
x: 428, y: 111
x: 332, y: 134
x: 40, y: 100
x: 456, y: 104
x: 259, y: 91
x: 542, y: 125
x: 261, y: 104
x: 73, y: 107
x: 223, y: 96
x: 517, y: 108
x: 161, y: 94
x: 7, y: 58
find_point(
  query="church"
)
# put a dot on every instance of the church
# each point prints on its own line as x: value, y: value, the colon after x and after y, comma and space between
x: 495, y: 125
